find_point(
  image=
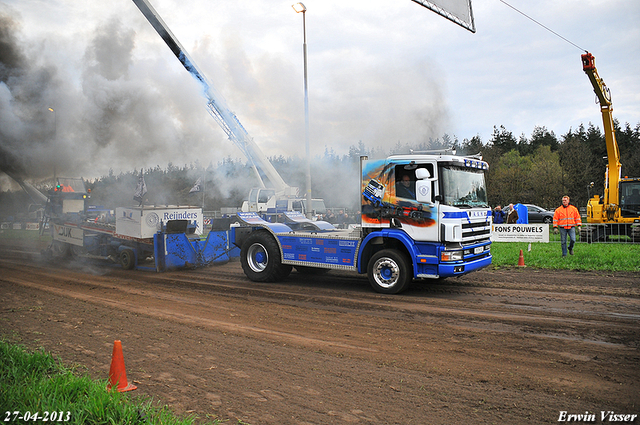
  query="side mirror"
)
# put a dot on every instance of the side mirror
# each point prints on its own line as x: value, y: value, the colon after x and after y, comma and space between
x: 422, y: 173
x: 423, y: 186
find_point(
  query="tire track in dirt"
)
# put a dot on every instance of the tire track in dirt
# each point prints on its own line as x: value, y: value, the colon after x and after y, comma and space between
x: 531, y: 312
x: 133, y: 305
x: 493, y: 347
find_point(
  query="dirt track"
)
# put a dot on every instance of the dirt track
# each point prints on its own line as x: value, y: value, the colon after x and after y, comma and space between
x: 505, y: 347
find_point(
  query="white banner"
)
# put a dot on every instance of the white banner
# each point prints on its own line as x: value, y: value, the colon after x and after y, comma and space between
x: 537, y: 232
x: 33, y: 226
x: 68, y: 234
x: 458, y: 11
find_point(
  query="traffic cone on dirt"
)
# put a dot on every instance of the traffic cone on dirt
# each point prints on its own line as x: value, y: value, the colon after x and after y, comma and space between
x: 117, y: 372
x: 521, y: 260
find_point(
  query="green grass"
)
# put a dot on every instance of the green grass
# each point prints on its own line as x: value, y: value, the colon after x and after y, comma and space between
x: 31, y: 235
x: 595, y: 256
x: 37, y: 382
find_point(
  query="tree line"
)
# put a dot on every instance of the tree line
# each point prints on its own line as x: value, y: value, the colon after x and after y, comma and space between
x: 543, y: 168
x: 539, y: 169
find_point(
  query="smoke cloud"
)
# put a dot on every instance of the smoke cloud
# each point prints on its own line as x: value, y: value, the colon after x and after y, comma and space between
x: 88, y: 115
x: 112, y: 98
x: 21, y: 129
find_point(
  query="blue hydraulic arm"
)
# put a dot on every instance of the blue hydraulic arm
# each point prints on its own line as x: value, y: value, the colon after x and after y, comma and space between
x: 216, y: 103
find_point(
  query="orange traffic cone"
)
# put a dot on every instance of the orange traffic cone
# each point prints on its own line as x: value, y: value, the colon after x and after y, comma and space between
x: 117, y: 372
x: 521, y: 260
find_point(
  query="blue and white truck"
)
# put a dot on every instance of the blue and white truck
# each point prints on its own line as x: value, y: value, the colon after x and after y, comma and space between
x: 423, y: 216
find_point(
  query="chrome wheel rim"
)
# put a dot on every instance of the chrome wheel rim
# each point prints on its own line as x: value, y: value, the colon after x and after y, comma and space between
x: 386, y: 272
x: 257, y: 258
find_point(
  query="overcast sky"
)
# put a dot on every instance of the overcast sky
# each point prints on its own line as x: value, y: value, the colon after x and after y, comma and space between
x: 380, y: 72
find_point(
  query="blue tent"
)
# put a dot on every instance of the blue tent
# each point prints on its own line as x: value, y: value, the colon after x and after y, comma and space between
x: 523, y: 214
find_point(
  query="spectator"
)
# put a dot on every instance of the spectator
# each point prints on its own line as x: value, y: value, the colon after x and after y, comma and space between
x: 341, y: 219
x: 330, y: 216
x: 512, y: 217
x: 498, y: 215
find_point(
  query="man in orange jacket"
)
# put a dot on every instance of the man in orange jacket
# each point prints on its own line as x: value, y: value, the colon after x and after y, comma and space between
x: 566, y: 217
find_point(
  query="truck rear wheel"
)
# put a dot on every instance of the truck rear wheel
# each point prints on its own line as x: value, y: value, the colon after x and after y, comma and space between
x: 389, y: 271
x: 260, y: 258
x: 60, y: 249
x: 127, y: 259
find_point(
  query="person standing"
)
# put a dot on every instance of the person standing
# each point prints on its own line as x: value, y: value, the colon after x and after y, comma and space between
x: 512, y: 217
x: 498, y: 215
x: 330, y: 216
x: 566, y: 218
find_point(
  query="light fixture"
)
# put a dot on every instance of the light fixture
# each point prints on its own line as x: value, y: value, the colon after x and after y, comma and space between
x: 299, y: 7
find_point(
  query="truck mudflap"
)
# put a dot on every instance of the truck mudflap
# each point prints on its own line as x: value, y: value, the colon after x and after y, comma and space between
x: 177, y: 250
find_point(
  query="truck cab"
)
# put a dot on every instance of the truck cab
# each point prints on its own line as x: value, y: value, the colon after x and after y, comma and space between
x: 69, y: 198
x: 438, y: 202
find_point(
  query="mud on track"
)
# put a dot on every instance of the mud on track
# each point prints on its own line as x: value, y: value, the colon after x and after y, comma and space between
x: 509, y: 346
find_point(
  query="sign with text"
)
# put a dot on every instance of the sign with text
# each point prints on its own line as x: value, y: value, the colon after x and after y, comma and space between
x: 68, y: 234
x: 537, y: 232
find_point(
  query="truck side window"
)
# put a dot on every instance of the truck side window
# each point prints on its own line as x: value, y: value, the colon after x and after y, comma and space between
x: 264, y: 196
x: 405, y: 183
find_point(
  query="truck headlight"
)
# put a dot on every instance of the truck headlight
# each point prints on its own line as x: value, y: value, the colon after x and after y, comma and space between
x: 451, y: 256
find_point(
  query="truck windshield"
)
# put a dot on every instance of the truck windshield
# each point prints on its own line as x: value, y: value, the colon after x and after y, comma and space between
x: 463, y: 187
x: 71, y: 185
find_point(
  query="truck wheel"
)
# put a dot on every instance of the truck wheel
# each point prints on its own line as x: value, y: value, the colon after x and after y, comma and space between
x: 260, y: 258
x: 77, y: 251
x: 389, y: 271
x: 60, y: 249
x: 127, y: 259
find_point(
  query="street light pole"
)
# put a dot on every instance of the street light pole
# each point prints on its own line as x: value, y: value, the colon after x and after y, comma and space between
x: 55, y: 143
x: 299, y: 7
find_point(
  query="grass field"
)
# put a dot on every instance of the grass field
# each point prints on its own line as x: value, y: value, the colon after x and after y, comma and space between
x: 596, y: 256
x: 32, y: 235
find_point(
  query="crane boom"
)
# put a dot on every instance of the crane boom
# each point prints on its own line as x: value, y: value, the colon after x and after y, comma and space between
x: 217, y: 105
x: 36, y: 196
x: 612, y: 177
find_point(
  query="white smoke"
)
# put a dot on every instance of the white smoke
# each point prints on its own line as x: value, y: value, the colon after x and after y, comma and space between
x: 122, y: 101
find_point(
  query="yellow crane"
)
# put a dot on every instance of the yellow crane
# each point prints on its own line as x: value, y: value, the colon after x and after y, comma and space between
x: 619, y: 207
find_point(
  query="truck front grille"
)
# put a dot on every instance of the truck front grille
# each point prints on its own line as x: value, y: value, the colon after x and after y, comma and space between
x: 476, y: 232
